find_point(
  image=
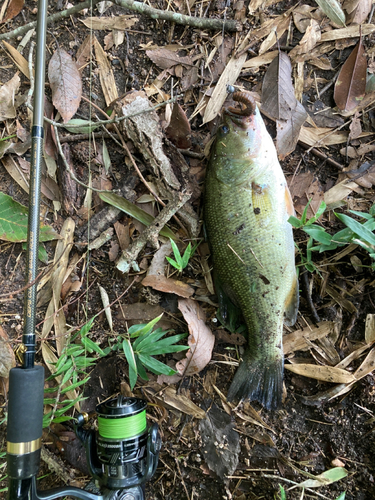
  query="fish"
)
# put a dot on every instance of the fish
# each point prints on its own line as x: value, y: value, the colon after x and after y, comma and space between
x: 247, y: 205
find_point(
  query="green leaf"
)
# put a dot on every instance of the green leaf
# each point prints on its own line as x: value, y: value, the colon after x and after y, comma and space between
x: 92, y: 345
x: 86, y: 327
x: 319, y: 234
x: 134, y: 211
x: 14, y: 222
x: 282, y: 493
x: 327, y: 477
x: 155, y: 366
x: 137, y: 330
x: 42, y: 254
x: 163, y: 346
x: 357, y: 228
x: 342, y: 496
x: 333, y: 10
x: 67, y: 375
x: 304, y: 214
x: 141, y: 371
x: 176, y: 253
x: 80, y: 126
x: 186, y: 256
x: 129, y: 354
x: 74, y: 386
x: 364, y: 215
x: 295, y: 222
x: 174, y: 263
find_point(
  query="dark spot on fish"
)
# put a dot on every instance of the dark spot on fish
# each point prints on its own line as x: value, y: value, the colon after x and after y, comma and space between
x: 265, y: 293
x: 265, y: 280
x: 277, y: 287
x: 257, y: 188
x: 225, y: 129
x: 238, y: 230
x: 257, y: 211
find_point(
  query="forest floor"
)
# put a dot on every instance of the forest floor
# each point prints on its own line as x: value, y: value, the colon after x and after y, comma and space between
x: 97, y: 60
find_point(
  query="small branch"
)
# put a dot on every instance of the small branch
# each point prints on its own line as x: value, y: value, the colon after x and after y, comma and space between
x: 86, y: 137
x: 150, y: 234
x: 194, y: 22
x: 55, y: 17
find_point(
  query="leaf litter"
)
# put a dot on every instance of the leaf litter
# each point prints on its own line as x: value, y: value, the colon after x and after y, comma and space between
x: 311, y: 349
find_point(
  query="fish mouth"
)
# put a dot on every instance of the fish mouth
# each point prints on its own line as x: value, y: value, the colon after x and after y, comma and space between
x: 242, y: 116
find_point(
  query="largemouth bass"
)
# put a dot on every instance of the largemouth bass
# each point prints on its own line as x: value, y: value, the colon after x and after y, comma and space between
x: 246, y: 210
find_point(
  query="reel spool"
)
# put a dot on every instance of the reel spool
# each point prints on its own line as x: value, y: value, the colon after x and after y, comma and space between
x: 124, y: 452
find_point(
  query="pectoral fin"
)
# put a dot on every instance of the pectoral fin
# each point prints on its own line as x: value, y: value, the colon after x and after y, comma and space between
x: 291, y: 304
x: 228, y: 314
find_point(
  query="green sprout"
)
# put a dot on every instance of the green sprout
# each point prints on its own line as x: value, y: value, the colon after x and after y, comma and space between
x: 181, y: 261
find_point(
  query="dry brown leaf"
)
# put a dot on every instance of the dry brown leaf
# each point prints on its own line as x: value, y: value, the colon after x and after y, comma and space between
x: 308, y: 41
x: 7, y: 359
x: 298, y: 340
x: 84, y: 52
x: 66, y: 84
x: 324, y: 373
x: 15, y: 172
x: 141, y: 311
x: 8, y: 93
x: 344, y: 303
x: 201, y: 340
x: 106, y: 76
x: 228, y: 77
x: 302, y: 17
x: 357, y: 10
x: 324, y: 136
x: 350, y: 85
x: 18, y: 59
x: 353, y: 31
x: 110, y: 23
x: 123, y: 236
x: 277, y: 32
x: 61, y: 259
x: 166, y: 59
x: 257, y: 62
x: 168, y: 285
x: 370, y: 328
x: 182, y: 403
x: 339, y: 192
x: 13, y: 9
x: 178, y: 130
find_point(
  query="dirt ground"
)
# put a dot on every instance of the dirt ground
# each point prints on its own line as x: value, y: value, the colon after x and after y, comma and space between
x: 276, y: 447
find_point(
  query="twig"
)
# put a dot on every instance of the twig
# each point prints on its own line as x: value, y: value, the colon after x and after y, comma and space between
x: 280, y: 478
x: 306, y: 285
x: 86, y: 137
x: 150, y: 234
x: 194, y: 22
x: 56, y: 465
x: 55, y: 17
x: 321, y: 155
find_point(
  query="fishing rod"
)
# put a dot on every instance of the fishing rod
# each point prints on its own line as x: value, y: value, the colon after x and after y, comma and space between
x: 123, y: 454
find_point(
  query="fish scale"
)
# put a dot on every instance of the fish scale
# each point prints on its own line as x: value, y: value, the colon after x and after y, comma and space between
x: 246, y: 210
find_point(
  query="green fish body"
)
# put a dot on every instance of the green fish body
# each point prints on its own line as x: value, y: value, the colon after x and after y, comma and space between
x: 246, y: 210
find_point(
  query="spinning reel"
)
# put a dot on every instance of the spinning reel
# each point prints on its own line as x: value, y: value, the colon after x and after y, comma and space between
x: 121, y: 456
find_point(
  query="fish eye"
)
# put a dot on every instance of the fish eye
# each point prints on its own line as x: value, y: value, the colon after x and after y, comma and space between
x: 225, y: 129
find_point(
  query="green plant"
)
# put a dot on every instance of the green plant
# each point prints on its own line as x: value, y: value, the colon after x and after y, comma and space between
x: 140, y: 354
x: 360, y: 233
x: 181, y: 261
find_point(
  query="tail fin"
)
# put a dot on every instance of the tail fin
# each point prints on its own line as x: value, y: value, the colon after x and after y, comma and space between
x: 260, y: 380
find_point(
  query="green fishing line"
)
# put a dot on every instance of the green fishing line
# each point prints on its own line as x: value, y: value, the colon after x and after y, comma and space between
x: 122, y: 428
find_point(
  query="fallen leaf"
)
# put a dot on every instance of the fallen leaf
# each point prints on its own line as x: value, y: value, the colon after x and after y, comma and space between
x: 84, y: 52
x: 258, y: 61
x: 328, y: 477
x: 350, y: 85
x: 16, y: 172
x: 168, y: 285
x: 66, y: 84
x: 7, y: 359
x: 107, y: 79
x: 302, y: 17
x: 123, y: 236
x: 13, y: 222
x: 182, y: 403
x: 166, y: 59
x: 278, y: 99
x: 178, y: 130
x: 228, y: 77
x: 201, y: 340
x: 370, y: 328
x: 288, y: 131
x: 14, y: 8
x: 353, y: 31
x: 7, y: 95
x: 324, y: 373
x: 333, y: 10
x: 277, y: 32
x: 141, y: 311
x: 298, y: 340
x: 106, y: 303
x: 357, y: 10
x: 339, y: 192
x: 110, y: 23
x: 220, y: 442
x: 18, y: 59
x: 308, y: 41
